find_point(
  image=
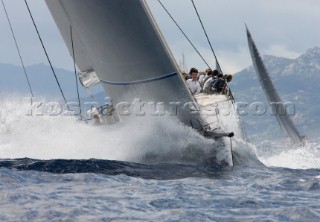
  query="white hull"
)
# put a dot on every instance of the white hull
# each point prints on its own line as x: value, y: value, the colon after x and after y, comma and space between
x: 219, y: 111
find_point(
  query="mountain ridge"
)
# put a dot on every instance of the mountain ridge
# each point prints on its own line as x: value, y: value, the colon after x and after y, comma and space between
x: 297, y: 81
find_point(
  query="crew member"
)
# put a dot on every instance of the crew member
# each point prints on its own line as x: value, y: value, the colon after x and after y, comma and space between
x: 193, y: 83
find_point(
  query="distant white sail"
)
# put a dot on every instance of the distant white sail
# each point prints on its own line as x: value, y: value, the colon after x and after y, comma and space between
x: 272, y: 95
x: 120, y: 41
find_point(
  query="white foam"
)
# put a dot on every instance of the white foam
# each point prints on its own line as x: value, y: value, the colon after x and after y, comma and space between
x: 286, y: 156
x: 54, y: 137
x: 63, y: 137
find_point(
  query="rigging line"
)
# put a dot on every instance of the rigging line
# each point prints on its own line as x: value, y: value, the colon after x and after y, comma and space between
x: 45, y: 51
x: 185, y: 35
x: 75, y: 70
x: 18, y: 49
x: 205, y: 32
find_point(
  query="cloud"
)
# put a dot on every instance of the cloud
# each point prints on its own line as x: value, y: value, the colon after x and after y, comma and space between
x: 281, y: 28
x: 281, y: 51
x: 286, y: 28
x: 236, y: 60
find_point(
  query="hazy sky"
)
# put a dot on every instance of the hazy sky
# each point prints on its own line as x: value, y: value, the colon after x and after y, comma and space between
x: 280, y: 27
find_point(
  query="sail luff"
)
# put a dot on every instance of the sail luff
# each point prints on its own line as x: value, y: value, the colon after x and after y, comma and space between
x: 164, y: 43
x: 270, y: 91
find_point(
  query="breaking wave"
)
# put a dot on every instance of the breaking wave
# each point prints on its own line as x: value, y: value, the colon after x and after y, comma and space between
x: 63, y: 137
x: 141, y: 140
x: 286, y: 156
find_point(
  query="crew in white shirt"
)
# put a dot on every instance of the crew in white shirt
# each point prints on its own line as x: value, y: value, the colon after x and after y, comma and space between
x: 193, y: 84
x: 204, y: 76
x: 201, y: 78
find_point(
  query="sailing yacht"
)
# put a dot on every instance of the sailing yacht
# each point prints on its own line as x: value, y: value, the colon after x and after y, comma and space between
x: 118, y: 44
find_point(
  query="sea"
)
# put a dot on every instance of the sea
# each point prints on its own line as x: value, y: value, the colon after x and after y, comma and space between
x: 55, y: 168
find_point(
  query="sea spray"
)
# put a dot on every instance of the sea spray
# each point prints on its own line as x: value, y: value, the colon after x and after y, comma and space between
x: 285, y: 155
x: 141, y: 139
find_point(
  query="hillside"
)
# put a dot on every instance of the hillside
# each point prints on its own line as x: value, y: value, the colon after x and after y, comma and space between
x: 297, y: 81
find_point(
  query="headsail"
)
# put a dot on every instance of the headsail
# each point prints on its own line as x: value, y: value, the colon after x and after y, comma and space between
x: 120, y: 41
x: 274, y: 99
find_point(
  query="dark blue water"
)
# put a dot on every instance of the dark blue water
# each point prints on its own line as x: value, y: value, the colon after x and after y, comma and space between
x: 96, y: 190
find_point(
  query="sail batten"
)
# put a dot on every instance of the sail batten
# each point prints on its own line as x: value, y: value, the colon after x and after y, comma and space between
x: 272, y: 95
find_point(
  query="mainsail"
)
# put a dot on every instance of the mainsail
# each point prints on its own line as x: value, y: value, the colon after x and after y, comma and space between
x: 274, y: 99
x: 120, y: 41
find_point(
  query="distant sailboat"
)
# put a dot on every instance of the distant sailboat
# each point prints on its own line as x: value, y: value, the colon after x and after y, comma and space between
x: 271, y: 93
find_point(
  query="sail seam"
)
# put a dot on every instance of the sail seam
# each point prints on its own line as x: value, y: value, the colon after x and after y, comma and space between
x: 140, y: 81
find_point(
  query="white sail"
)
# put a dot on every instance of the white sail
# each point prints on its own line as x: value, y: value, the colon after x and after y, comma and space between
x: 121, y: 42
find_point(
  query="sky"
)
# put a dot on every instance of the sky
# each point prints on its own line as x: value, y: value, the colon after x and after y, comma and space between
x: 285, y: 28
